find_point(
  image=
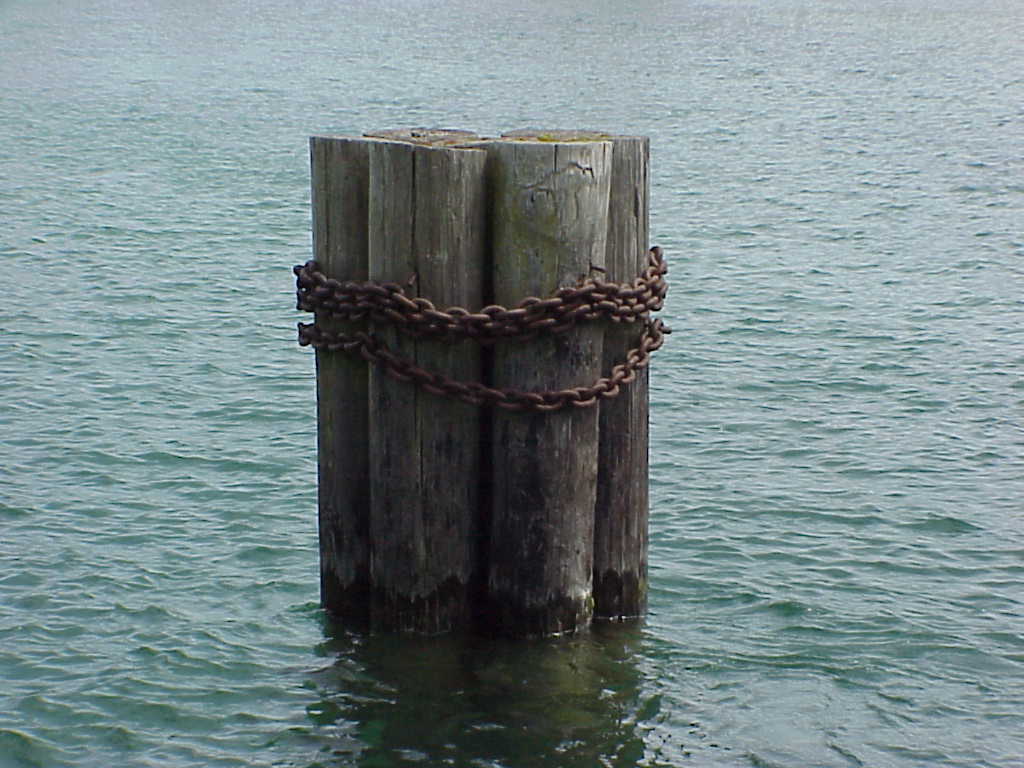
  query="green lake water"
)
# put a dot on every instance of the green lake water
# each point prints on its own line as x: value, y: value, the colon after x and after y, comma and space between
x: 837, y: 437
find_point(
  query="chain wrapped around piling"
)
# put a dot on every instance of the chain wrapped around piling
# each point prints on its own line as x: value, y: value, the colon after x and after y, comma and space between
x: 387, y: 302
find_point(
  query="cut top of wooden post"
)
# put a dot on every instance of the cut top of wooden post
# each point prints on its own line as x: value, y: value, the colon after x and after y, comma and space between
x: 555, y: 135
x: 435, y: 137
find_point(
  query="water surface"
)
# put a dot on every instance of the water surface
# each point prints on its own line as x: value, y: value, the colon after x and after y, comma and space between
x: 837, y: 556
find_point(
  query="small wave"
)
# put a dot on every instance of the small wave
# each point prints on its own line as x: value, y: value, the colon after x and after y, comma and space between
x: 942, y: 524
x: 25, y: 750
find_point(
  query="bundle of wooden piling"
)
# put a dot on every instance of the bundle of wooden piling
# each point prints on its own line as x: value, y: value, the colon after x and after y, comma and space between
x: 437, y: 514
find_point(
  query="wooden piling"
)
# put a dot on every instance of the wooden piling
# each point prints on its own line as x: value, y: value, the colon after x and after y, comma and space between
x: 549, y: 220
x: 620, y: 515
x: 427, y: 221
x: 340, y: 167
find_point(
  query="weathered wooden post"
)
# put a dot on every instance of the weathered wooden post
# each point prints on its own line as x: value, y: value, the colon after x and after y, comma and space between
x: 620, y: 516
x: 427, y: 220
x: 550, y: 224
x: 340, y: 179
x: 463, y: 485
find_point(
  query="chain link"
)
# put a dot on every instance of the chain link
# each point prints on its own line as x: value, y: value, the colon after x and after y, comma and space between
x: 417, y: 317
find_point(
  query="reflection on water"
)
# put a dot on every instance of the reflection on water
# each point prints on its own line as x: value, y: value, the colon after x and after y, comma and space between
x: 471, y: 701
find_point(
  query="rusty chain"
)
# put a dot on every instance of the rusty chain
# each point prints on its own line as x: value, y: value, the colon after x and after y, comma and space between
x: 386, y: 302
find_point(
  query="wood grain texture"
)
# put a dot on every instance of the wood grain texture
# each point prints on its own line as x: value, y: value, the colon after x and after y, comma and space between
x: 427, y: 223
x: 339, y: 174
x: 620, y: 516
x: 549, y: 219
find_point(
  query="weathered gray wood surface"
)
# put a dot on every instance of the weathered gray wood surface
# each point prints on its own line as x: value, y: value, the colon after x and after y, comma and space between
x: 549, y: 220
x: 427, y: 223
x: 339, y: 200
x: 620, y: 516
